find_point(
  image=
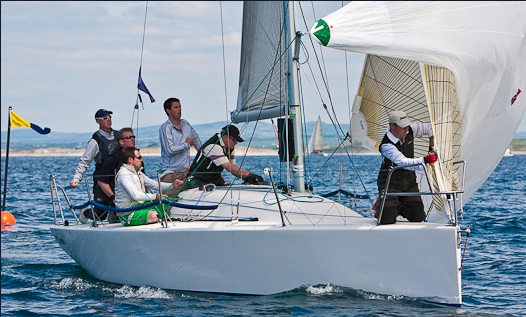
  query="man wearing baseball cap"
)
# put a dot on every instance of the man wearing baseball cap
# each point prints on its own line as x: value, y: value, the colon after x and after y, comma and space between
x: 397, y: 149
x: 216, y: 155
x: 102, y: 143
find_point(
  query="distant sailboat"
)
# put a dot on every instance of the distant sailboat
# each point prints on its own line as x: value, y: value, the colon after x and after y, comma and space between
x: 508, y: 152
x: 315, y: 146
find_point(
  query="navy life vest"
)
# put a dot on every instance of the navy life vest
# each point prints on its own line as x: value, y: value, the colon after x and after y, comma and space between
x: 106, y: 147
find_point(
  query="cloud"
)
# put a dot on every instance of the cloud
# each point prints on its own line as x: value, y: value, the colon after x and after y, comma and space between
x: 63, y: 60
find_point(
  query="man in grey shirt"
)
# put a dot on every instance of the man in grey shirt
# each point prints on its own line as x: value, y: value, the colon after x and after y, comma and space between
x: 102, y: 143
x: 176, y: 136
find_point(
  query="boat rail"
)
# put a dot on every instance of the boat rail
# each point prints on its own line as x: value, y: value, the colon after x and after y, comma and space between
x: 452, y: 196
x: 57, y: 204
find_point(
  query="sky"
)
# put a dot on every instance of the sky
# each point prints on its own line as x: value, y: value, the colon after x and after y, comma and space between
x: 62, y: 61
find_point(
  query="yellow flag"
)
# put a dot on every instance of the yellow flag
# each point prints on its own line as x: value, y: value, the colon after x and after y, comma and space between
x: 18, y: 121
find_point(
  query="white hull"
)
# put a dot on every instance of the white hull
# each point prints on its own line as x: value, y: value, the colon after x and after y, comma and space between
x: 263, y: 257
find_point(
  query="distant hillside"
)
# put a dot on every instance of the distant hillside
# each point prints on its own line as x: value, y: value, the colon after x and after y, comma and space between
x: 264, y: 136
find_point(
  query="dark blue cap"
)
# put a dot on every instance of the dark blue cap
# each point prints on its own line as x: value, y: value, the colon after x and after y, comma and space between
x: 102, y: 113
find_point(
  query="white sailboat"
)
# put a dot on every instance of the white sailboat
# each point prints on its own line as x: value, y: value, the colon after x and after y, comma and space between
x: 247, y: 239
x: 508, y: 153
x: 315, y: 146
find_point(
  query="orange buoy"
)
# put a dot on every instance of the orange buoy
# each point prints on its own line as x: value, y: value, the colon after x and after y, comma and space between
x: 8, y: 218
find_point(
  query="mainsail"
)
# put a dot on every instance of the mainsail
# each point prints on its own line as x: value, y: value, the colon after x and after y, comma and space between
x: 455, y: 65
x: 268, y: 79
x: 264, y: 65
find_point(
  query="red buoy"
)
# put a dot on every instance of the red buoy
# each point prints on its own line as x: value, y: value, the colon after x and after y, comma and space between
x: 8, y: 218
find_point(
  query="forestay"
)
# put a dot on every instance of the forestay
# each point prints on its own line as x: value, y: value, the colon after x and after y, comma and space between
x: 455, y: 65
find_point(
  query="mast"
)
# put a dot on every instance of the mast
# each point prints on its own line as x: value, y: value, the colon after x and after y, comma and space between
x: 294, y: 98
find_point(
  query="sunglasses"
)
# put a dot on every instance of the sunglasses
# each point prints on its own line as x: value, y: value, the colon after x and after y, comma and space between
x: 139, y: 157
x: 103, y: 118
x: 129, y: 137
x: 231, y: 138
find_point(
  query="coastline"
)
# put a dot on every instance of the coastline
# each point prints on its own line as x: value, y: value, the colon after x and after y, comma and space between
x: 156, y: 151
x: 150, y: 151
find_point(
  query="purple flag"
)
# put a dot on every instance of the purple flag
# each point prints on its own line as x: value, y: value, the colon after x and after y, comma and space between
x: 142, y: 87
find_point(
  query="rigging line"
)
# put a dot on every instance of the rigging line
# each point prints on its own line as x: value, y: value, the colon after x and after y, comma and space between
x: 317, y: 91
x: 325, y: 81
x: 143, y: 35
x: 277, y: 59
x: 356, y: 170
x: 136, y: 107
x: 321, y: 52
x: 326, y: 161
x: 306, y: 146
x: 226, y: 99
x: 224, y: 63
x: 335, y: 125
x: 347, y: 86
x: 270, y: 72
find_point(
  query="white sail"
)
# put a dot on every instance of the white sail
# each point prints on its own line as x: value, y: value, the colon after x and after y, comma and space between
x: 315, y: 145
x: 264, y: 65
x: 467, y: 64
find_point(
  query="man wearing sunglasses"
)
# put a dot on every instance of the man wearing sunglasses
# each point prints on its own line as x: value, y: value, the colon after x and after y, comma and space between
x: 102, y: 143
x: 216, y: 155
x: 111, y: 166
x: 131, y: 189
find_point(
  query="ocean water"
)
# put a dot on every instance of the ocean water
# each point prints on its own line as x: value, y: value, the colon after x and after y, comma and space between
x: 39, y: 279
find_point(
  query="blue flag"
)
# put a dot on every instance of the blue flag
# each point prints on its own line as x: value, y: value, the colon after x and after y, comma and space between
x: 142, y: 87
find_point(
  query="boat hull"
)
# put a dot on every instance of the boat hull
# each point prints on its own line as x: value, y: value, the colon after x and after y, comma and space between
x: 252, y: 257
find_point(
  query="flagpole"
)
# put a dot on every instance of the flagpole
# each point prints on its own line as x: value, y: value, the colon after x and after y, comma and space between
x: 7, y: 156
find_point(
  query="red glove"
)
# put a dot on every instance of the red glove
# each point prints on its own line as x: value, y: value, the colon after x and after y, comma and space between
x: 431, y: 157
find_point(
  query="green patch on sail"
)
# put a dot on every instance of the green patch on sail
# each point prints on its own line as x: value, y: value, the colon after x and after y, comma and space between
x: 322, y: 31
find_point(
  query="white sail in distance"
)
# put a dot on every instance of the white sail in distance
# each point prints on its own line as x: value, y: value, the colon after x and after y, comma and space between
x: 315, y: 145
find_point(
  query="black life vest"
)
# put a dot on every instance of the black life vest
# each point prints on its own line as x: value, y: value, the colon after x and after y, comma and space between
x: 408, y: 149
x: 203, y: 168
x: 106, y: 147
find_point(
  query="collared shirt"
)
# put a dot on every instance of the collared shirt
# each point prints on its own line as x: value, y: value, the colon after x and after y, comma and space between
x: 92, y: 149
x: 175, y: 152
x: 131, y: 186
x: 216, y: 153
x: 392, y: 153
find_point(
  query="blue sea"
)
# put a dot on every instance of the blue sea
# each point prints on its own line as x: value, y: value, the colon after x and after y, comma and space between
x: 39, y: 279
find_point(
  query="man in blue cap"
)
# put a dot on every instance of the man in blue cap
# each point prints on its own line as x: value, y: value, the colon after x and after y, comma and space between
x: 102, y: 143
